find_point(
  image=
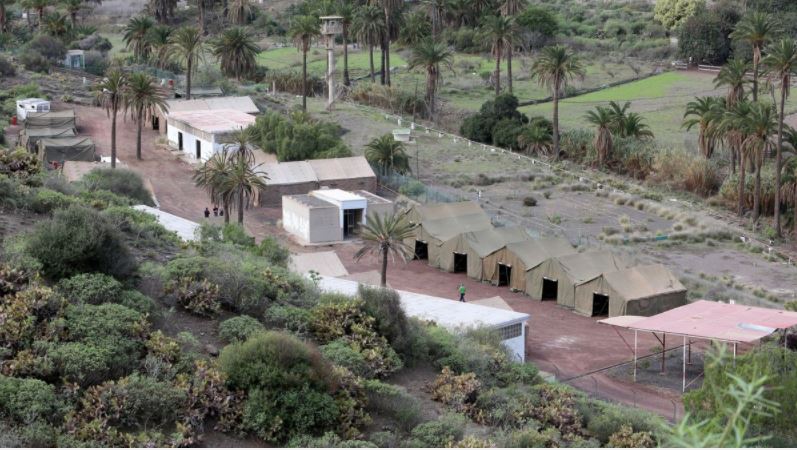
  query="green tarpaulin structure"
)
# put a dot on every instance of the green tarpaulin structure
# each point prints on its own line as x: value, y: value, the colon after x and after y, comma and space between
x: 51, y: 119
x: 66, y: 149
x: 29, y: 137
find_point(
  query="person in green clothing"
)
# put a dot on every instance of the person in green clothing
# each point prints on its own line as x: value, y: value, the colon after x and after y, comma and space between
x: 461, y: 292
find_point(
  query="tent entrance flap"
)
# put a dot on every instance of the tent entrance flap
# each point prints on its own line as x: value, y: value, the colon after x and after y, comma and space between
x: 600, y: 304
x: 504, y: 274
x: 460, y: 262
x: 550, y: 289
x: 421, y: 250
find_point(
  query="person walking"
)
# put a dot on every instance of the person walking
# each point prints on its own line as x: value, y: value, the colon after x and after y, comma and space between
x: 207, y: 212
x: 215, y: 210
x: 462, y: 292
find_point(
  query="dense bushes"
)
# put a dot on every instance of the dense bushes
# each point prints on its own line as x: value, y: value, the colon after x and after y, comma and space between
x: 442, y: 432
x: 6, y: 68
x: 298, y: 137
x: 497, y: 122
x: 394, y: 403
x: 27, y: 400
x: 76, y: 240
x: 239, y: 329
x: 119, y: 181
x: 42, y: 51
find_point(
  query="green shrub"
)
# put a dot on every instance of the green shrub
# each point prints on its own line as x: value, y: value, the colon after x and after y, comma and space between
x: 27, y: 400
x: 532, y: 438
x: 239, y: 329
x: 235, y: 234
x: 394, y: 403
x: 102, y: 199
x: 34, y: 61
x: 287, y: 382
x: 384, y: 305
x: 529, y: 201
x: 604, y: 420
x: 299, y: 137
x: 443, y: 432
x: 92, y: 288
x: 275, y: 253
x: 328, y: 440
x: 6, y: 68
x: 197, y: 297
x: 291, y: 318
x: 340, y: 353
x: 144, y: 228
x: 413, y: 188
x: 137, y: 301
x: 122, y: 182
x: 77, y: 240
x: 508, y: 408
x: 148, y: 402
x: 45, y: 201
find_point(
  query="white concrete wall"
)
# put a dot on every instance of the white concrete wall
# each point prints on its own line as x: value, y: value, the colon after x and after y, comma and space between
x: 517, y: 345
x: 189, y: 143
x: 295, y: 218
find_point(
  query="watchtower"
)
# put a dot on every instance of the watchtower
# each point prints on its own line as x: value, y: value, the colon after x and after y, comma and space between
x: 331, y: 26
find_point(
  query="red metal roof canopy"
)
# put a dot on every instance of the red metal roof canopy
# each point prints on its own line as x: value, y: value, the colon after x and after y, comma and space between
x: 712, y: 320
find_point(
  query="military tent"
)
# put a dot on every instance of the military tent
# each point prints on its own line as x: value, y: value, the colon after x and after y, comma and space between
x: 638, y: 291
x: 529, y: 259
x: 66, y: 149
x: 51, y: 119
x: 437, y: 235
x: 485, y: 250
x: 29, y: 137
x: 569, y: 272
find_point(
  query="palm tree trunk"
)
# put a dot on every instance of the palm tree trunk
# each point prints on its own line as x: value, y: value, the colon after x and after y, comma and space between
x: 755, y: 76
x: 430, y: 85
x: 509, y: 68
x: 382, y: 70
x: 779, y: 156
x: 304, y: 79
x: 40, y: 12
x: 188, y: 65
x: 742, y: 179
x: 226, y: 212
x: 201, y: 7
x: 757, y: 193
x: 387, y: 46
x: 346, y: 81
x: 383, y: 271
x: 73, y: 15
x: 795, y: 210
x: 733, y: 160
x: 2, y: 17
x: 113, y: 140
x: 371, y: 62
x: 241, y: 207
x: 139, y: 121
x: 498, y: 72
x: 556, y: 120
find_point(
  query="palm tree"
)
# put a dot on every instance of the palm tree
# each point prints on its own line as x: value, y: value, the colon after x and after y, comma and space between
x: 240, y: 144
x: 211, y: 176
x: 346, y: 11
x: 781, y: 62
x: 384, y: 236
x: 732, y: 128
x: 756, y: 29
x: 55, y: 24
x: 705, y: 113
x: 72, y: 7
x: 388, y: 155
x: 163, y: 9
x: 760, y: 126
x: 733, y: 75
x: 416, y: 28
x: 500, y: 30
x: 236, y: 51
x: 368, y: 26
x: 789, y: 188
x: 555, y: 68
x: 389, y: 7
x: 136, y: 36
x: 3, y: 17
x: 39, y: 6
x: 303, y: 30
x: 429, y: 55
x: 158, y: 39
x: 142, y: 97
x: 603, y: 118
x: 510, y: 8
x: 110, y: 95
x: 633, y: 125
x: 187, y: 47
x: 242, y: 182
x: 535, y: 139
x: 436, y: 12
x: 239, y: 11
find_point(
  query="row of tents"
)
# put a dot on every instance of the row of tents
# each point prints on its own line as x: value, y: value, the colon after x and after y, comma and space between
x: 53, y: 136
x: 460, y: 237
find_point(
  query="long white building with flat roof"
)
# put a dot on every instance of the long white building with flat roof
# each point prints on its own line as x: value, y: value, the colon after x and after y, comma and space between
x: 202, y: 133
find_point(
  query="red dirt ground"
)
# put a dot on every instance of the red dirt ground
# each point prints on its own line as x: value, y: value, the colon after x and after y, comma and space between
x: 559, y: 341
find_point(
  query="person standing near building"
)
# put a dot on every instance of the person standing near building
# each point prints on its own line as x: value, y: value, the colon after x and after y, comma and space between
x: 462, y: 292
x: 207, y: 212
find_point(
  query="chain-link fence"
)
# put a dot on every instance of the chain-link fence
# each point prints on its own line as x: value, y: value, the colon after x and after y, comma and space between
x: 413, y: 188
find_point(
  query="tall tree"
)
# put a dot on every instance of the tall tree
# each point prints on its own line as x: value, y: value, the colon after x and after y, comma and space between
x: 789, y: 188
x: 733, y: 75
x: 388, y: 155
x: 760, y: 125
x: 110, y: 95
x: 436, y: 10
x: 236, y: 51
x: 368, y: 26
x: 163, y: 10
x: 511, y: 8
x: 303, y: 30
x: 158, y: 38
x: 757, y: 29
x: 430, y: 55
x: 39, y: 6
x: 705, y: 113
x: 415, y: 29
x: 733, y: 129
x: 244, y: 179
x: 346, y: 11
x: 555, y: 68
x: 389, y: 7
x: 188, y: 48
x: 500, y: 31
x: 4, y: 4
x: 72, y: 7
x: 239, y: 12
x: 211, y: 176
x: 535, y: 139
x: 384, y: 236
x: 142, y: 96
x: 136, y: 36
x: 603, y: 119
x: 781, y: 62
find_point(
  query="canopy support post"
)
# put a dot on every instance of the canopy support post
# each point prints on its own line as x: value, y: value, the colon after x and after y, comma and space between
x: 663, y: 352
x: 683, y: 389
x: 734, y: 354
x: 689, y: 350
x: 635, y: 346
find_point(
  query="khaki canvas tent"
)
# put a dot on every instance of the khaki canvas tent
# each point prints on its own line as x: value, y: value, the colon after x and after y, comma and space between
x: 638, y: 291
x: 485, y: 250
x: 51, y: 119
x: 529, y: 260
x: 569, y: 272
x: 66, y: 149
x: 29, y: 137
x: 437, y: 235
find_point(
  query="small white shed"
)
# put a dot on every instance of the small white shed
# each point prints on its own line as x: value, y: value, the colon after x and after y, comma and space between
x: 75, y: 59
x: 202, y: 133
x: 30, y: 105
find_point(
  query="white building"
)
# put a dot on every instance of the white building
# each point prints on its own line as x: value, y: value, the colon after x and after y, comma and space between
x: 161, y: 118
x: 30, y: 105
x: 452, y: 315
x: 200, y: 134
x: 75, y: 59
x: 184, y: 228
x: 329, y: 215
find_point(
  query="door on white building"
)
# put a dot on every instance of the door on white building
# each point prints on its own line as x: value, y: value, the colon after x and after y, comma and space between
x: 179, y: 140
x: 198, y: 149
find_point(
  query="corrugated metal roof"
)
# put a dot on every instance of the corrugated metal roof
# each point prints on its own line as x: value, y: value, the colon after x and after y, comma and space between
x: 214, y: 121
x: 712, y: 320
x: 293, y: 172
x: 243, y: 104
x: 341, y: 168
